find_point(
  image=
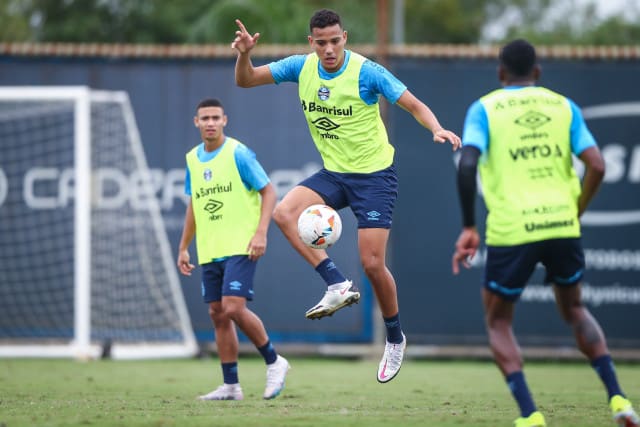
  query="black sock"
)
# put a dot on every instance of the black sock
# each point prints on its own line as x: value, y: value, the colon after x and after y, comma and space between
x: 394, y: 330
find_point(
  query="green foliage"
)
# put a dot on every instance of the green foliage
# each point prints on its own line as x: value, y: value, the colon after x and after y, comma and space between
x: 548, y: 22
x: 615, y: 30
x: 444, y: 21
x: 286, y: 21
x: 281, y: 21
x: 14, y: 25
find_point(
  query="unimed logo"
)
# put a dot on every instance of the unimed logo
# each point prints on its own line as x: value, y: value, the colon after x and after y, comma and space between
x: 622, y: 159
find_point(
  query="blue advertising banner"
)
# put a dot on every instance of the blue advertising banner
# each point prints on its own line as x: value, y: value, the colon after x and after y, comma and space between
x: 436, y: 307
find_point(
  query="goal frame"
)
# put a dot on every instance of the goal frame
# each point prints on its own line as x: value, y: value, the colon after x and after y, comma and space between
x: 81, y: 346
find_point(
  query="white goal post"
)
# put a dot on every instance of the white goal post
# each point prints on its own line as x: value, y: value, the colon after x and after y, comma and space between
x: 83, y: 273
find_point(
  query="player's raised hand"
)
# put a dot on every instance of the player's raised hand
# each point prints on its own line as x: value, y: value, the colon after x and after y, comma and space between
x: 442, y: 135
x: 244, y: 41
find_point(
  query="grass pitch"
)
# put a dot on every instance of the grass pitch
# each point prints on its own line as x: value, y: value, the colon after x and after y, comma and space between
x: 319, y: 392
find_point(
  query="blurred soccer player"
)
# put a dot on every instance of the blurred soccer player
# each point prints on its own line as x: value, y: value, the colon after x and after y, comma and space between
x: 230, y: 206
x: 523, y: 135
x: 339, y: 92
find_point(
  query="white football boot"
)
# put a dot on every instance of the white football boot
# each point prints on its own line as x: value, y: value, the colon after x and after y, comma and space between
x: 276, y: 374
x: 224, y: 392
x: 337, y: 296
x: 391, y: 360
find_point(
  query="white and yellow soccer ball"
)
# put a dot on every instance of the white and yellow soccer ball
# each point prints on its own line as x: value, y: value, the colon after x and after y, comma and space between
x: 319, y: 226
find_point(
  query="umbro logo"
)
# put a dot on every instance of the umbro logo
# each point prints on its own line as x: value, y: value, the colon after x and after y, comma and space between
x: 532, y: 120
x: 213, y: 206
x: 325, y: 124
x: 373, y: 215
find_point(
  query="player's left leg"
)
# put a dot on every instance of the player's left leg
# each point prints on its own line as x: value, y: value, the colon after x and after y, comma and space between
x: 592, y: 343
x: 251, y: 325
x: 372, y: 245
x: 564, y: 260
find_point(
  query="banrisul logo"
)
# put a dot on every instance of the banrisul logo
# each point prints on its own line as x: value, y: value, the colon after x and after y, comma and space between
x: 616, y: 128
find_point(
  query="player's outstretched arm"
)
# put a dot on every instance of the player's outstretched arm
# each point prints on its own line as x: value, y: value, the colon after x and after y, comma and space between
x: 426, y: 118
x: 246, y: 74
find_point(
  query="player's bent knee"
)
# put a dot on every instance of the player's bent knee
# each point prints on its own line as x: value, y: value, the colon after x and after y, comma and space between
x: 372, y: 264
x: 282, y: 215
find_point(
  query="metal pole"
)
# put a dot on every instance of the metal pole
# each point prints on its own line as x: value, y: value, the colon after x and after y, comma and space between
x: 398, y: 21
x: 382, y: 45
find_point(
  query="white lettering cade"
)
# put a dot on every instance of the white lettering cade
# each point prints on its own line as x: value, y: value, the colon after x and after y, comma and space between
x: 53, y: 188
x: 112, y: 188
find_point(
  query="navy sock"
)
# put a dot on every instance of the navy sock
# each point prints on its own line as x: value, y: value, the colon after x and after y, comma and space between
x: 329, y: 272
x: 607, y: 372
x: 230, y: 372
x: 520, y: 392
x: 394, y: 330
x: 267, y: 351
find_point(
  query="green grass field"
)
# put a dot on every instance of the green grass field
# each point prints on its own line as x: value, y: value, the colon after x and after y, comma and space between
x: 319, y: 392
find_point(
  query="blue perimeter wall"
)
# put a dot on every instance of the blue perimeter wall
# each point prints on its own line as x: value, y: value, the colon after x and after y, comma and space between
x: 436, y: 307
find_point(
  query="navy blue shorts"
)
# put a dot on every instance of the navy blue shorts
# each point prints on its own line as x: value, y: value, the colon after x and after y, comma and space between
x: 509, y: 267
x: 232, y: 276
x: 371, y: 196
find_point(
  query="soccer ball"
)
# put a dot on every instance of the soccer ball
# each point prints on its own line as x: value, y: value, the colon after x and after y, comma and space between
x: 319, y: 226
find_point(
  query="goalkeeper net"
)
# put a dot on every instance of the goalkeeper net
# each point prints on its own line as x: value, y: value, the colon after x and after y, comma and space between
x: 85, y: 262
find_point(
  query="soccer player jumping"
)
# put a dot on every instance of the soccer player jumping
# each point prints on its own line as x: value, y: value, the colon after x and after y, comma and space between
x: 339, y: 92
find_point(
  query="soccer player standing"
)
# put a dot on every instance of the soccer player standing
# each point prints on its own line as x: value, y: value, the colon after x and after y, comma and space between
x: 339, y: 92
x: 523, y: 137
x: 230, y: 206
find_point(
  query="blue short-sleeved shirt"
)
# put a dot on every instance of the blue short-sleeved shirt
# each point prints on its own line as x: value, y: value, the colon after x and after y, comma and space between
x: 374, y: 79
x: 476, y: 128
x: 251, y: 171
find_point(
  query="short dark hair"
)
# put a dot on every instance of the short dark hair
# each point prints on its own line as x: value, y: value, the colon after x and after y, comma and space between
x: 324, y: 18
x: 518, y: 58
x: 209, y: 102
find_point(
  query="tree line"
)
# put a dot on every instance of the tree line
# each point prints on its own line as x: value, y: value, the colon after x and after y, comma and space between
x: 286, y: 21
